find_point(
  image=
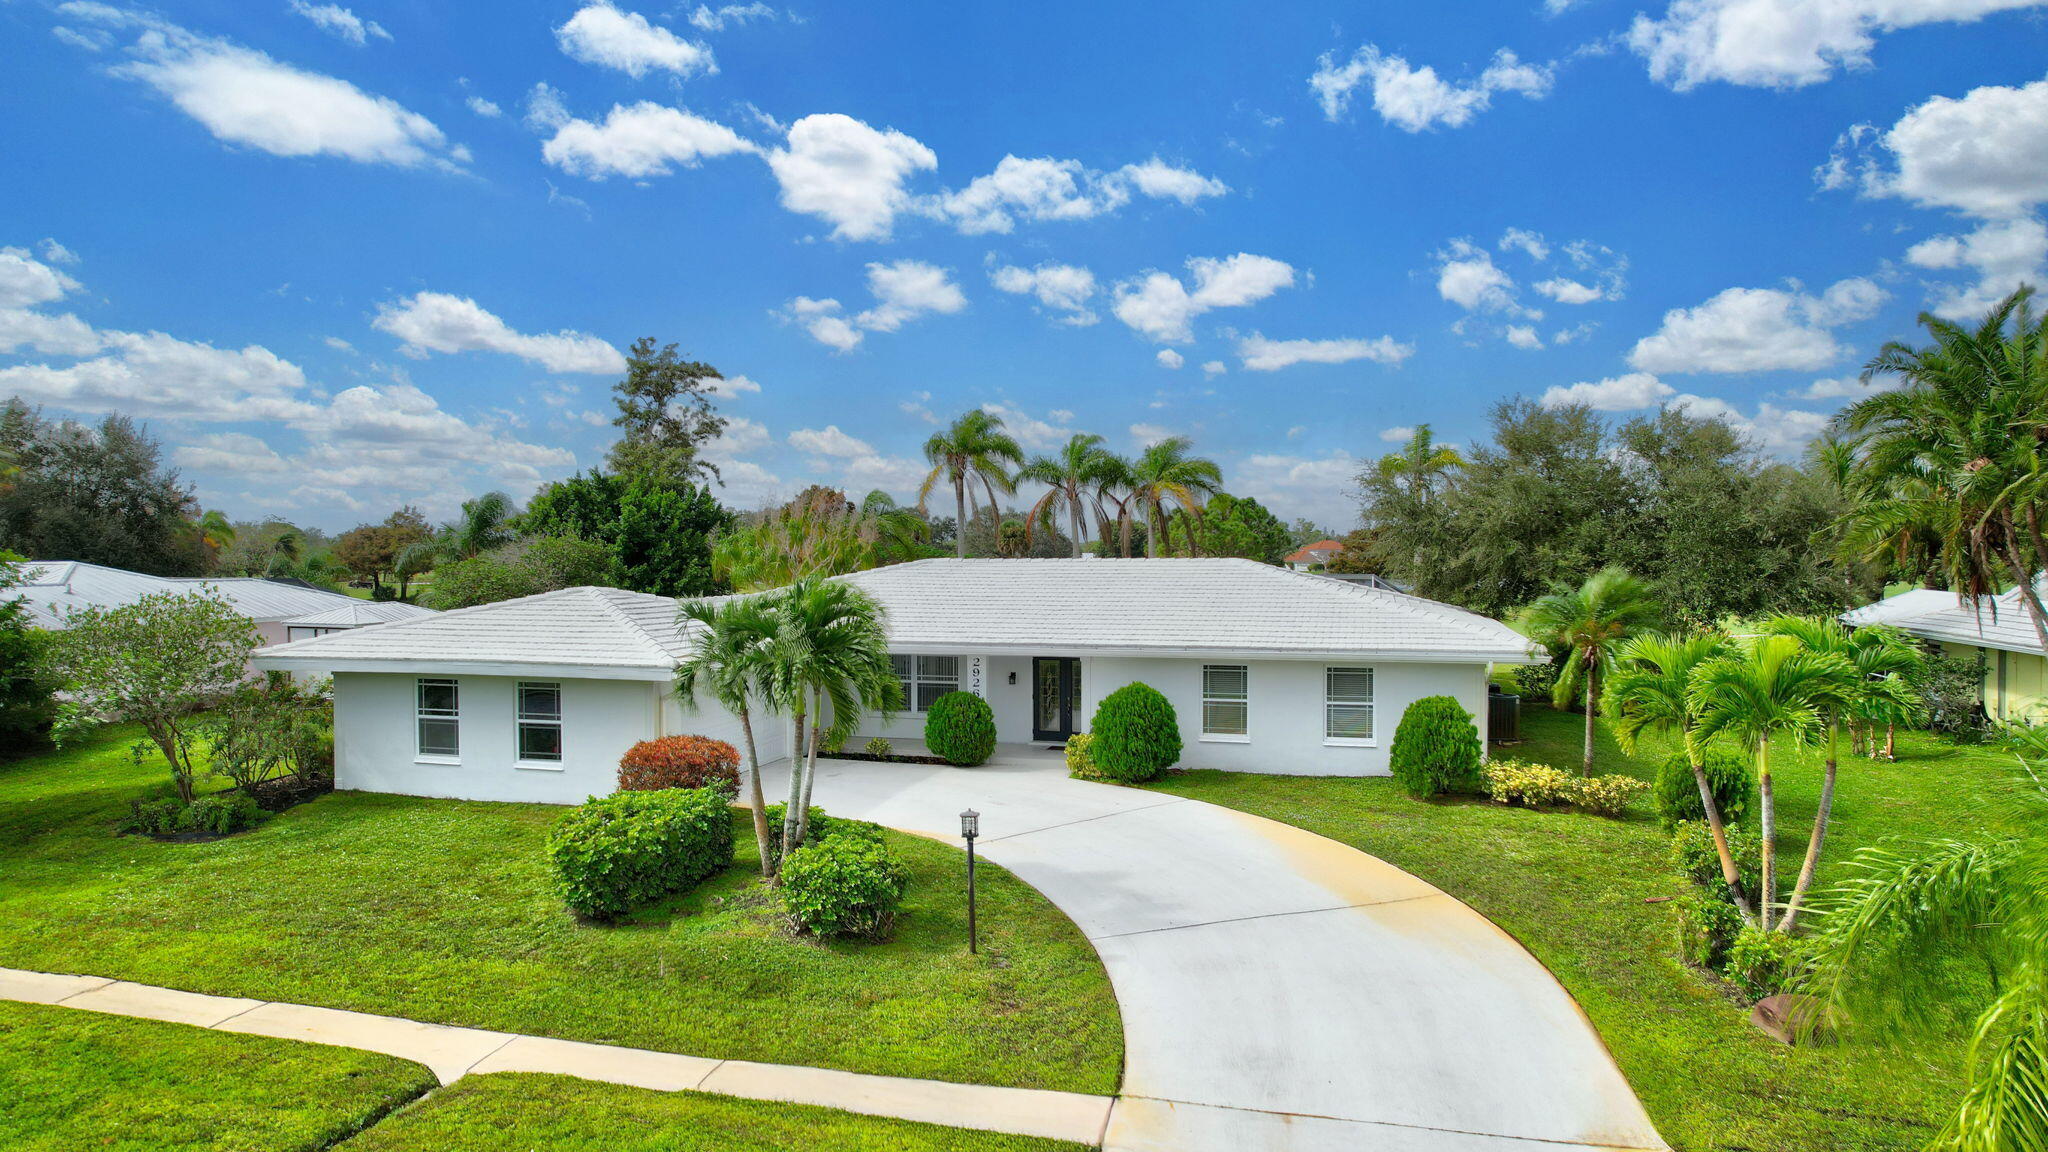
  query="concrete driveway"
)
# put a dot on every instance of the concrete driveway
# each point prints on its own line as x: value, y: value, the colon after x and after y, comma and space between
x: 1280, y: 992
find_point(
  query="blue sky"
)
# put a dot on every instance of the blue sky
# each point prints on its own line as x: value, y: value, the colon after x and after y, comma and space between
x: 344, y: 256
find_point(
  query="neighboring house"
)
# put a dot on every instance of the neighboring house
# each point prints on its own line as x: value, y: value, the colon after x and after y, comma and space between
x: 1268, y: 671
x: 283, y: 610
x: 1313, y: 557
x: 1996, y: 634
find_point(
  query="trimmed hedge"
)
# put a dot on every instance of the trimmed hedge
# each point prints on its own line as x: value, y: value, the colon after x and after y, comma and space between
x: 1436, y: 748
x: 1729, y: 774
x: 616, y: 853
x: 961, y: 729
x: 843, y: 886
x: 680, y: 762
x: 1136, y: 735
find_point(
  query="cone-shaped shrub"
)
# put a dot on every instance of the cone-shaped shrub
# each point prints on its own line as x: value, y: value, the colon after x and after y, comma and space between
x: 961, y: 728
x: 1136, y: 735
x: 1436, y: 748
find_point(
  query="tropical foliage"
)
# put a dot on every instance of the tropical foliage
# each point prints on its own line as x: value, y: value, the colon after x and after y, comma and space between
x: 1589, y: 623
x: 973, y: 451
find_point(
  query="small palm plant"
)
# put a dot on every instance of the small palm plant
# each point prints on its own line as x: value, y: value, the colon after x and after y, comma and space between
x: 728, y: 663
x: 1651, y: 690
x: 1987, y: 898
x: 829, y: 657
x: 1591, y: 621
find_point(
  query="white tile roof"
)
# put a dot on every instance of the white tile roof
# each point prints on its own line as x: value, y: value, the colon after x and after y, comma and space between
x: 1136, y: 607
x: 1999, y: 622
x: 360, y: 613
x: 54, y: 588
x: 1892, y: 609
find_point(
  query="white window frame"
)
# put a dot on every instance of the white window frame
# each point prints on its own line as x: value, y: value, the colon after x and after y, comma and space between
x: 1370, y: 703
x: 522, y: 720
x: 422, y: 714
x: 917, y: 677
x: 1245, y: 700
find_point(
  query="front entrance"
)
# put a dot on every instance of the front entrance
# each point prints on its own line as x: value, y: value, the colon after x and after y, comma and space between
x: 1055, y: 697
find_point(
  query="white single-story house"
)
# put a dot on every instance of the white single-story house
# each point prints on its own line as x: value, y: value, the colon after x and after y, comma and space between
x: 282, y: 610
x: 1268, y: 671
x: 1996, y: 634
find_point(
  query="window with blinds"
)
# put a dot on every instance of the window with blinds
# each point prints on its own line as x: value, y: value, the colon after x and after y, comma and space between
x: 440, y: 718
x: 1226, y: 700
x: 925, y: 678
x: 1347, y: 704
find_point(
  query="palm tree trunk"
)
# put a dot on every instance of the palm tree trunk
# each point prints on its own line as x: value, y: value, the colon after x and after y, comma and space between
x: 1767, y: 820
x: 1152, y: 517
x: 1730, y: 874
x: 792, y: 811
x: 1817, y: 839
x: 1891, y: 734
x: 960, y: 511
x: 1074, y: 513
x: 1123, y: 531
x: 756, y: 799
x: 1592, y: 712
x: 1194, y: 545
x: 803, y: 823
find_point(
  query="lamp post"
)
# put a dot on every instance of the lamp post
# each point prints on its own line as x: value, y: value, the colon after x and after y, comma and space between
x: 970, y: 827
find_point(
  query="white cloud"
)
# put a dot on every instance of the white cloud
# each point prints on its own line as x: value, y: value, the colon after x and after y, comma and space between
x: 235, y: 452
x: 26, y: 281
x: 732, y: 386
x: 440, y: 322
x: 64, y: 335
x: 1530, y: 243
x: 153, y: 374
x: 1399, y: 435
x: 1414, y: 99
x: 829, y: 441
x: 1320, y: 488
x: 1984, y: 154
x: 545, y: 108
x: 1162, y: 308
x: 1146, y: 435
x: 1568, y: 291
x: 1259, y: 354
x: 2002, y: 254
x: 1524, y: 336
x: 602, y: 34
x: 244, y: 97
x: 1162, y: 181
x: 1850, y: 388
x: 639, y: 141
x: 1779, y: 431
x: 1030, y: 432
x: 484, y: 108
x: 56, y: 253
x: 340, y: 23
x: 1782, y: 43
x: 1614, y: 394
x: 903, y: 290
x: 1064, y: 288
x: 848, y: 174
x: 1214, y: 368
x: 1467, y: 276
x: 854, y: 462
x: 1045, y: 189
x: 87, y: 39
x: 715, y: 19
x: 1757, y: 330
x: 1168, y: 358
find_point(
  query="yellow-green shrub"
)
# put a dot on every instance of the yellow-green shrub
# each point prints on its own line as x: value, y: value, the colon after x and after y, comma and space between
x: 1526, y: 784
x: 1605, y: 795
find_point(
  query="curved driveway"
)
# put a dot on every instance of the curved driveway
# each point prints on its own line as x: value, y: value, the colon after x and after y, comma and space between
x: 1281, y: 992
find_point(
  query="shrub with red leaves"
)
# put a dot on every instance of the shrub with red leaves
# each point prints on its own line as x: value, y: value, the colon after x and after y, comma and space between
x: 680, y: 762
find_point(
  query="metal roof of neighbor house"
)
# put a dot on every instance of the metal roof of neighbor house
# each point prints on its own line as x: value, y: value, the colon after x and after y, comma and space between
x: 360, y: 613
x: 1126, y: 607
x: 53, y: 588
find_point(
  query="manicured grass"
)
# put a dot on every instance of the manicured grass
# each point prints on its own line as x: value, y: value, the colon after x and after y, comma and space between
x: 440, y: 910
x: 72, y: 1080
x: 520, y: 1112
x: 1576, y: 890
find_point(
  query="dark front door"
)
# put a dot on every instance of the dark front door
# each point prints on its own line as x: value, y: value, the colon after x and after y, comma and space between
x: 1055, y: 697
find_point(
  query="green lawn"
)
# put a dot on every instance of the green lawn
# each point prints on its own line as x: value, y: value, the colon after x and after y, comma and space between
x: 439, y: 910
x: 522, y: 1112
x: 78, y: 1080
x: 1576, y: 890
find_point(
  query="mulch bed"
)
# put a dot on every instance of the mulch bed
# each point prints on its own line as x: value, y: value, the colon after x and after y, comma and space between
x: 892, y: 758
x: 290, y: 791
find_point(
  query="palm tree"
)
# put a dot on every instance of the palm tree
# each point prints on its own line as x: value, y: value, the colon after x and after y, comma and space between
x: 830, y: 656
x: 216, y: 531
x: 1591, y: 621
x: 485, y: 524
x: 1071, y: 478
x: 974, y: 449
x: 1873, y: 683
x: 1987, y: 897
x: 727, y: 662
x: 1769, y: 686
x: 899, y: 533
x: 1115, y: 485
x: 1420, y: 464
x: 1165, y: 474
x: 1651, y: 690
x: 1956, y: 455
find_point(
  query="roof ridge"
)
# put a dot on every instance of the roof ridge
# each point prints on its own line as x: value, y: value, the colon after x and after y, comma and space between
x: 433, y: 614
x: 1409, y: 603
x: 600, y: 594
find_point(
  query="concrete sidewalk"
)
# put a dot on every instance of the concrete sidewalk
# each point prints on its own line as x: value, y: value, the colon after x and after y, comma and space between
x: 1281, y: 992
x: 452, y: 1053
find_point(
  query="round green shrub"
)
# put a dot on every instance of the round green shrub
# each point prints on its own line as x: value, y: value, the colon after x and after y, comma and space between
x: 1729, y: 774
x: 1692, y: 851
x: 613, y: 854
x: 1436, y: 748
x: 1136, y: 735
x: 879, y: 746
x: 961, y: 729
x: 820, y: 827
x: 1081, y: 757
x: 843, y: 886
x: 1707, y: 929
x: 1766, y: 963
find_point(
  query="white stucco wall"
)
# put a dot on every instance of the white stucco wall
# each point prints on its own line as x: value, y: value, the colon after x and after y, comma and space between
x: 375, y: 738
x: 1286, y: 709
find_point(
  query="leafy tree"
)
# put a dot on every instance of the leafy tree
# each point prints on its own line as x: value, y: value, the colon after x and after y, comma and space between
x: 1001, y: 532
x: 1590, y: 622
x: 262, y: 732
x: 101, y: 495
x: 1982, y: 899
x: 216, y: 532
x: 819, y: 533
x: 731, y: 645
x: 665, y: 416
x: 154, y: 663
x: 901, y: 534
x: 1234, y: 526
x: 27, y: 686
x: 974, y: 450
x: 527, y: 568
x: 659, y: 533
x: 1165, y: 475
x: 1073, y: 477
x: 1360, y: 555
